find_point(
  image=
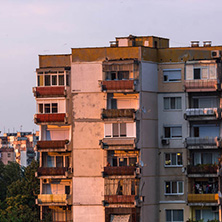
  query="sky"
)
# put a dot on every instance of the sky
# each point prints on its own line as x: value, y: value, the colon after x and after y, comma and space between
x: 29, y: 28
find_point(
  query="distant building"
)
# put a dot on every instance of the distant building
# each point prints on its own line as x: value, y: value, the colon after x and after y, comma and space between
x: 130, y: 132
x: 7, y: 155
x: 22, y: 144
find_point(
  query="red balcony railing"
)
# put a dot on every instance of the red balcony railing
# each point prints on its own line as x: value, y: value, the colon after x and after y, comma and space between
x: 52, y: 171
x: 53, y: 144
x: 49, y: 91
x: 200, y: 85
x: 122, y: 170
x: 118, y: 113
x: 120, y: 198
x: 51, y: 117
x: 202, y: 169
x: 118, y: 85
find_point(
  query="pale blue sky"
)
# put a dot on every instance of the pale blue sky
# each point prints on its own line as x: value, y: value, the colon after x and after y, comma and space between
x: 33, y: 27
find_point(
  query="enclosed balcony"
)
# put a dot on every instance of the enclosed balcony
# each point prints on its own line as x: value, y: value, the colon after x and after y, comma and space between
x: 54, y: 172
x: 204, y: 199
x: 121, y: 190
x: 54, y: 199
x: 52, y: 118
x: 118, y: 143
x: 201, y: 142
x: 118, y: 113
x: 53, y: 145
x: 49, y: 91
x: 200, y: 85
x: 202, y: 114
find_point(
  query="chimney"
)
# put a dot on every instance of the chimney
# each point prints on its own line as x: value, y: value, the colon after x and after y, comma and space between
x: 195, y: 43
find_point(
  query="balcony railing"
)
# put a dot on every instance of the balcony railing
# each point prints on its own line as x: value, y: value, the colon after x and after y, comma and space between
x: 200, y: 85
x: 54, y: 171
x: 54, y: 199
x: 49, y: 91
x: 202, y: 169
x: 120, y: 199
x: 121, y: 141
x: 52, y: 144
x: 195, y: 142
x: 202, y: 113
x: 202, y: 198
x: 121, y: 170
x: 118, y: 85
x: 50, y: 118
x: 118, y: 113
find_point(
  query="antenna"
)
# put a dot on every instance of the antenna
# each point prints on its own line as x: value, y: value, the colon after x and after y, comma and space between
x: 21, y: 128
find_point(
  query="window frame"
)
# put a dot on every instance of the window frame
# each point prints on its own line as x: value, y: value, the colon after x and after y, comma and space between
x: 112, y: 134
x: 171, y: 215
x: 176, y: 165
x: 50, y: 107
x: 171, y: 188
x: 170, y: 98
x: 171, y: 70
x: 171, y: 128
x: 201, y: 72
x: 65, y: 74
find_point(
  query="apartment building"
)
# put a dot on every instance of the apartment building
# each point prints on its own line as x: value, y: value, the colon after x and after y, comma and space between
x: 130, y: 132
x: 22, y: 145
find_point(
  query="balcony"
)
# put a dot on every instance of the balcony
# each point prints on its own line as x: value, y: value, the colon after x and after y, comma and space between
x: 119, y: 85
x: 120, y: 199
x: 54, y: 199
x: 53, y: 145
x: 201, y: 142
x: 203, y: 199
x: 118, y: 113
x: 202, y: 114
x: 200, y: 85
x: 54, y: 172
x: 56, y: 118
x: 203, y: 170
x: 122, y: 170
x: 119, y: 143
x: 49, y: 91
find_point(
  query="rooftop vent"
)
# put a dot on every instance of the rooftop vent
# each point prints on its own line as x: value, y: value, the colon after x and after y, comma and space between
x: 195, y: 43
x: 207, y: 43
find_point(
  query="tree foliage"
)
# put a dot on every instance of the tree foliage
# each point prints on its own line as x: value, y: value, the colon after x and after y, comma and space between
x: 19, y: 188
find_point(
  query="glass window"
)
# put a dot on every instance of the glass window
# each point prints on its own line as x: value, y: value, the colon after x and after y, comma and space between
x: 67, y: 80
x: 197, y: 73
x: 47, y: 80
x: 123, y: 129
x: 173, y: 132
x: 54, y: 108
x: 54, y: 80
x: 173, y: 159
x: 172, y: 103
x: 59, y: 161
x: 61, y: 80
x: 115, y: 130
x: 172, y: 75
x: 41, y: 108
x: 47, y: 108
x: 173, y: 187
x: 40, y: 79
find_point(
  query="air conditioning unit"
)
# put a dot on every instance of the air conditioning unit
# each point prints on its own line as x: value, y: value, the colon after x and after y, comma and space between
x: 215, y: 54
x: 165, y: 141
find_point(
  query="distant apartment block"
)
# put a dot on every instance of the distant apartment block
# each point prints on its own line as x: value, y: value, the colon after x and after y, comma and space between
x: 130, y: 132
x: 19, y: 147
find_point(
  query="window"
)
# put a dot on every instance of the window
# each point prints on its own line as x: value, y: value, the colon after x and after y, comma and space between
x: 120, y: 130
x: 174, y: 216
x: 53, y: 78
x: 117, y: 75
x: 172, y: 103
x: 200, y: 73
x: 9, y: 155
x: 172, y: 75
x: 173, y: 159
x: 48, y: 108
x: 173, y: 187
x: 196, y: 73
x: 173, y: 132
